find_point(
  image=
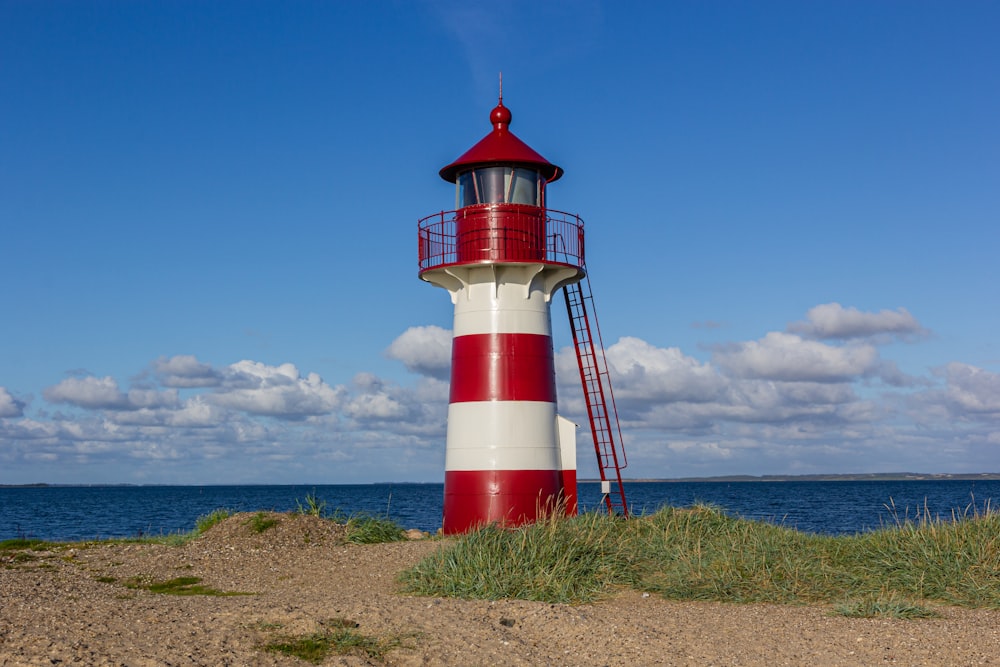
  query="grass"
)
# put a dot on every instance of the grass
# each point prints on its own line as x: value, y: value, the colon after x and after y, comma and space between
x: 180, y: 586
x: 369, y: 529
x: 21, y: 544
x: 205, y: 522
x: 313, y: 507
x: 361, y: 527
x: 262, y: 521
x: 703, y: 554
x: 339, y: 637
x: 884, y: 606
x: 555, y: 560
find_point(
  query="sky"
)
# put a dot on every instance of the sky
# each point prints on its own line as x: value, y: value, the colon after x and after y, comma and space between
x: 208, y: 231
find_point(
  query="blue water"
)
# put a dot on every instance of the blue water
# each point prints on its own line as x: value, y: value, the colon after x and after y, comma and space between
x: 79, y: 513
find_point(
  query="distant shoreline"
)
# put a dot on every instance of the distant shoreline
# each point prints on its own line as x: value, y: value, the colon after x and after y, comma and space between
x: 832, y: 477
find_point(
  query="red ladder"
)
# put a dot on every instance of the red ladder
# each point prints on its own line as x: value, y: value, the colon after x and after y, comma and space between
x: 597, y: 392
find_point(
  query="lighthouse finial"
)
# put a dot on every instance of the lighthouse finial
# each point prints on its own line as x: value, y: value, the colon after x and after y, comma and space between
x: 500, y: 116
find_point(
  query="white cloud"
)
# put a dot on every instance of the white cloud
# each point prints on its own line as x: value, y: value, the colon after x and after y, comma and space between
x: 276, y: 391
x: 9, y: 406
x: 378, y: 406
x: 973, y: 391
x: 196, y: 413
x: 185, y: 371
x: 94, y: 393
x: 192, y: 413
x: 424, y: 350
x: 88, y: 392
x: 375, y: 400
x: 831, y: 320
x: 643, y: 372
x: 788, y: 357
x: 151, y: 398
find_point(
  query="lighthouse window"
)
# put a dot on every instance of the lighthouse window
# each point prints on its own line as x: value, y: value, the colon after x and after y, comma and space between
x: 522, y: 186
x: 500, y: 185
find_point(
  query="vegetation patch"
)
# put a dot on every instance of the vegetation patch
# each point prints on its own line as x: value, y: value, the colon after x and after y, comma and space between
x: 206, y: 521
x: 22, y: 544
x: 180, y: 586
x: 368, y: 529
x: 340, y: 637
x: 22, y: 557
x: 361, y: 528
x: 555, y: 560
x: 703, y: 554
x: 21, y: 552
x: 262, y: 521
x: 313, y: 507
x: 884, y: 606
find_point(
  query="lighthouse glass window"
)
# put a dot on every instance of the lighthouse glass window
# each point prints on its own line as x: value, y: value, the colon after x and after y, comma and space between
x: 500, y: 185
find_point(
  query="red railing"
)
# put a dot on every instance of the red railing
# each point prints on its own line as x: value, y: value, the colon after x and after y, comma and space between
x: 500, y: 233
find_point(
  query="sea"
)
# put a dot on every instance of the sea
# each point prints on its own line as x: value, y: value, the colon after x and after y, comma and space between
x: 73, y: 513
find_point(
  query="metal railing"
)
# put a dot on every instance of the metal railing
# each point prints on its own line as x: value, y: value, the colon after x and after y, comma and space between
x: 439, y: 237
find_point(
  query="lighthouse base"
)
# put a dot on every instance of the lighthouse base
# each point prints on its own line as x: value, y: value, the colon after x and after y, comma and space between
x: 473, y: 498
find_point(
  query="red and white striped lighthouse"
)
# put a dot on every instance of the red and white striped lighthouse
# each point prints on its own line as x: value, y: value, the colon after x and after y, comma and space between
x: 501, y: 255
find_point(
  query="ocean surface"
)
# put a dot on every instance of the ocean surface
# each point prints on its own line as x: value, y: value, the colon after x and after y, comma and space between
x: 829, y: 507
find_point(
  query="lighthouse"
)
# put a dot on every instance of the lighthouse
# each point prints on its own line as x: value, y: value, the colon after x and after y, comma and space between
x: 501, y: 255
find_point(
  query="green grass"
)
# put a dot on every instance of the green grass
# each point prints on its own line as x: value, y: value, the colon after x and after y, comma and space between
x: 703, y: 554
x: 313, y: 507
x: 180, y: 586
x: 21, y: 543
x: 555, y: 560
x: 368, y: 529
x: 262, y: 521
x: 206, y: 521
x: 340, y: 637
x: 884, y: 606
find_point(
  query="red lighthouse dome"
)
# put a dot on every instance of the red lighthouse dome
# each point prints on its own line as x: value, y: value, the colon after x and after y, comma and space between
x: 501, y: 147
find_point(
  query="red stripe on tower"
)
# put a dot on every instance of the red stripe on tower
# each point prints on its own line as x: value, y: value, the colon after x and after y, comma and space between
x: 502, y: 367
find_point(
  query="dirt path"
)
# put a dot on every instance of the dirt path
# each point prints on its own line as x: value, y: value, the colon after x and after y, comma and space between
x: 74, y: 607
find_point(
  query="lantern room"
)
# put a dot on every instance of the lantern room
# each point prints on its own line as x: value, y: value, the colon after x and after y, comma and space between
x: 501, y: 213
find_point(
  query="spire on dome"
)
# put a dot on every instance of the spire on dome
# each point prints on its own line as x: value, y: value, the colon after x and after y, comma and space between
x: 501, y: 147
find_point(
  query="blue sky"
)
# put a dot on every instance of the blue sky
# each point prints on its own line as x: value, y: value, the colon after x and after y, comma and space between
x: 208, y: 231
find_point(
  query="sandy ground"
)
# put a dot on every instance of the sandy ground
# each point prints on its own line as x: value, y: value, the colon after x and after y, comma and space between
x: 72, y: 606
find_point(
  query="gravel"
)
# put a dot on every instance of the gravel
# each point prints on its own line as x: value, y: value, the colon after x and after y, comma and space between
x: 85, y: 605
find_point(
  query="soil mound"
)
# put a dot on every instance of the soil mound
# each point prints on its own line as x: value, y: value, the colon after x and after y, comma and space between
x: 270, y: 531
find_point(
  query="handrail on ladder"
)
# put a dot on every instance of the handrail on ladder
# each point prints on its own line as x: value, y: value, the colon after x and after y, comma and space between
x: 597, y: 391
x: 594, y: 376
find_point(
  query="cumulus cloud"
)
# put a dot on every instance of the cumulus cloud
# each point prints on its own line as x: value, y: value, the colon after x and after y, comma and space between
x: 831, y: 320
x: 788, y: 357
x: 192, y: 413
x: 972, y: 390
x: 275, y: 391
x: 375, y: 400
x: 88, y: 392
x: 185, y: 371
x: 9, y: 406
x: 93, y: 393
x: 648, y: 373
x: 424, y: 350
